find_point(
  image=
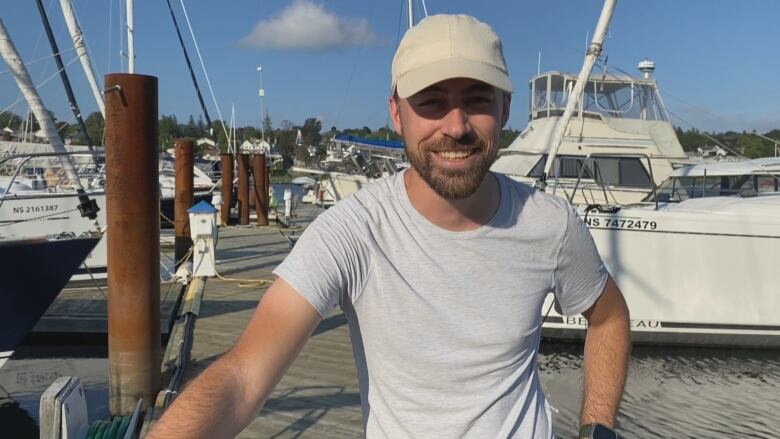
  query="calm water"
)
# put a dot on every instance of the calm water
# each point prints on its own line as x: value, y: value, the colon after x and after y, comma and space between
x: 671, y: 392
x: 676, y: 392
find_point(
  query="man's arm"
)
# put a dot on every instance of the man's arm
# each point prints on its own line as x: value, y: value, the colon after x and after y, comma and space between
x: 607, y: 350
x: 229, y: 393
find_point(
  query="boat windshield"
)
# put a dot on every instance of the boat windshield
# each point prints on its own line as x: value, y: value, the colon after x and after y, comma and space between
x: 608, y: 171
x: 603, y: 97
x: 676, y: 189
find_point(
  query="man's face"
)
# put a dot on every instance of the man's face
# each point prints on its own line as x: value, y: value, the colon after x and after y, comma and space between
x: 451, y: 130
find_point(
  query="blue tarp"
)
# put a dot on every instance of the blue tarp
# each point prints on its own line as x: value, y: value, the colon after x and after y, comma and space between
x: 396, y: 144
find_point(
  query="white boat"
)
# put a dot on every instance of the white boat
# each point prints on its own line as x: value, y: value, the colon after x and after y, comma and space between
x: 351, y: 164
x: 699, y: 271
x: 694, y: 270
x: 622, y: 120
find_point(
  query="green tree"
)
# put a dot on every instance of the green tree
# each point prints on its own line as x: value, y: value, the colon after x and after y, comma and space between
x: 507, y: 137
x: 311, y: 131
x: 95, y: 126
x: 753, y: 147
x: 168, y: 131
x: 267, y: 126
x: 10, y: 120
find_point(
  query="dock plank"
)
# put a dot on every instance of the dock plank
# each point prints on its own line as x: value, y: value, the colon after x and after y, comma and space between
x: 319, y: 396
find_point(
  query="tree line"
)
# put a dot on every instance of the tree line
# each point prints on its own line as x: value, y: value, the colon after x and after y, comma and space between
x: 283, y: 136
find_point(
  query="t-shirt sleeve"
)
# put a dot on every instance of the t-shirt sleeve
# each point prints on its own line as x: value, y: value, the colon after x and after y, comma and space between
x: 329, y: 261
x: 580, y: 274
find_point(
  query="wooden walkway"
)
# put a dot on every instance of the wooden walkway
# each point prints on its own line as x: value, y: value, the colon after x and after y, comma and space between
x: 319, y: 396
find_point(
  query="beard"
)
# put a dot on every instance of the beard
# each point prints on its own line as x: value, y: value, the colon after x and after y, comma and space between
x: 452, y: 184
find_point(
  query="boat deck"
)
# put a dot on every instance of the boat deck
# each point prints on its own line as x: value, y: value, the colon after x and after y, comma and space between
x: 319, y: 396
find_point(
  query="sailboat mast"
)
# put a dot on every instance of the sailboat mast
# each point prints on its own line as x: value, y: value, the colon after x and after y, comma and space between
x: 130, y: 38
x: 411, y: 13
x: 575, y: 97
x: 22, y: 76
x: 74, y: 106
x: 78, y: 42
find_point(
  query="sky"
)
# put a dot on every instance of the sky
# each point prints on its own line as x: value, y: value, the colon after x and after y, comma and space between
x: 717, y: 61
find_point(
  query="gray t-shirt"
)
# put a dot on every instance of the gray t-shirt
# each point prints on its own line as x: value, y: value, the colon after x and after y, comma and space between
x: 445, y: 325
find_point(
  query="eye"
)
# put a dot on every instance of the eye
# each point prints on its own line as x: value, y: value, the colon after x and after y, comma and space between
x: 479, y: 100
x: 429, y: 102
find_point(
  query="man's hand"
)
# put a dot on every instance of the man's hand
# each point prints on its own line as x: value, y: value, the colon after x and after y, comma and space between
x: 607, y: 350
x: 227, y: 395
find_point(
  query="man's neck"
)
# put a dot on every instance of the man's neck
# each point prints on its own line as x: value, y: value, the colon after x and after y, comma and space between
x: 458, y: 215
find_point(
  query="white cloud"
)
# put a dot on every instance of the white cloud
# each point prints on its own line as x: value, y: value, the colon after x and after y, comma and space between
x: 305, y: 25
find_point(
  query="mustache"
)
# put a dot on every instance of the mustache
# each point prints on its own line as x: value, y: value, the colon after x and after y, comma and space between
x: 450, y: 144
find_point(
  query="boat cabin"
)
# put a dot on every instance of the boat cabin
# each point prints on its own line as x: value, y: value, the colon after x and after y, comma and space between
x: 605, y: 96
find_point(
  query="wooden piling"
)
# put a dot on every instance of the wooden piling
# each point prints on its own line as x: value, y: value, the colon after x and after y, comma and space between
x: 260, y: 187
x: 183, y: 153
x: 243, y: 189
x: 226, y: 168
x: 133, y: 212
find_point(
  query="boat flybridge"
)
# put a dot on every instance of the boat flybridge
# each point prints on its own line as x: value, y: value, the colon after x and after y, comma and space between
x: 618, y: 143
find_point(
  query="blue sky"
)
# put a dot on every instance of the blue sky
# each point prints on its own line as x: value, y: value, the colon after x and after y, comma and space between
x: 718, y: 61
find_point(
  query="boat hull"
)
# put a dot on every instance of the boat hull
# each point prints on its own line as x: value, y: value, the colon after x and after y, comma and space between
x: 34, y: 271
x: 690, y: 277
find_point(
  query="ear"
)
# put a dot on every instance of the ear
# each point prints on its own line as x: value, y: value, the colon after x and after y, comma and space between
x: 393, y: 104
x: 505, y: 112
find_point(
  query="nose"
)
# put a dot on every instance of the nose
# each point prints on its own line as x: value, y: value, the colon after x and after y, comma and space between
x: 455, y: 123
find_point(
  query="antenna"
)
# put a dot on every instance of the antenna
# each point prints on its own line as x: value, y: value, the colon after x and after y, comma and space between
x: 539, y: 64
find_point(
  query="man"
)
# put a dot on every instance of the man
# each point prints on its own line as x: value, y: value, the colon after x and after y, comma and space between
x: 441, y: 271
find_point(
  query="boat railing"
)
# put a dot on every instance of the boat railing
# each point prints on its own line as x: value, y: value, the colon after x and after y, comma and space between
x: 90, y: 169
x: 592, y: 156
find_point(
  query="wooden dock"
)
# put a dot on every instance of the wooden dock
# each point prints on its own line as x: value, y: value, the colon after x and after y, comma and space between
x: 319, y: 396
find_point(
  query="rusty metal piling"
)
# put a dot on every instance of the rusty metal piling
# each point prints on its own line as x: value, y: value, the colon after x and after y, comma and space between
x: 226, y: 169
x: 243, y: 189
x: 261, y: 189
x: 133, y: 212
x: 183, y: 153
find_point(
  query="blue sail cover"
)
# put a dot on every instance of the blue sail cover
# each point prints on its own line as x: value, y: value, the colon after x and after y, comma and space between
x: 391, y: 144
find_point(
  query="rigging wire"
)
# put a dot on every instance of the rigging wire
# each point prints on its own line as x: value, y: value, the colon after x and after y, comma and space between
x: 205, y: 73
x: 354, y: 68
x: 43, y: 58
x: 38, y: 86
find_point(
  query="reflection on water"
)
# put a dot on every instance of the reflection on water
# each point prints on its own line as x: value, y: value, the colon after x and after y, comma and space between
x: 676, y: 392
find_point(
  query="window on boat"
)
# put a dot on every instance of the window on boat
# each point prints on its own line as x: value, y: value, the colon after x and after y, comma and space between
x: 609, y: 171
x: 676, y: 189
x: 603, y: 97
x: 766, y: 183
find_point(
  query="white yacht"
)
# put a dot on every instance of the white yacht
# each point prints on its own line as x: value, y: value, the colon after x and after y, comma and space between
x: 617, y: 144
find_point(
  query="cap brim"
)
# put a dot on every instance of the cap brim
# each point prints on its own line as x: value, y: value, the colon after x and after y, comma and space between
x: 415, y: 80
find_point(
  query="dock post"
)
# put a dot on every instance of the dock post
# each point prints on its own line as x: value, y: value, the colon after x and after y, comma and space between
x: 133, y: 220
x: 185, y: 176
x: 243, y: 189
x: 226, y: 169
x: 261, y: 189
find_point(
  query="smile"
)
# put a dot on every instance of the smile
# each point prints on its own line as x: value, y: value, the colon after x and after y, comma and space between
x: 454, y: 155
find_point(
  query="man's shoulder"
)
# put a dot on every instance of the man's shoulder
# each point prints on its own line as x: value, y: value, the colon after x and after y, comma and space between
x: 361, y: 206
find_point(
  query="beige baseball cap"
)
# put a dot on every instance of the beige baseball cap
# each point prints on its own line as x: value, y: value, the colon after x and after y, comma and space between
x: 443, y: 47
